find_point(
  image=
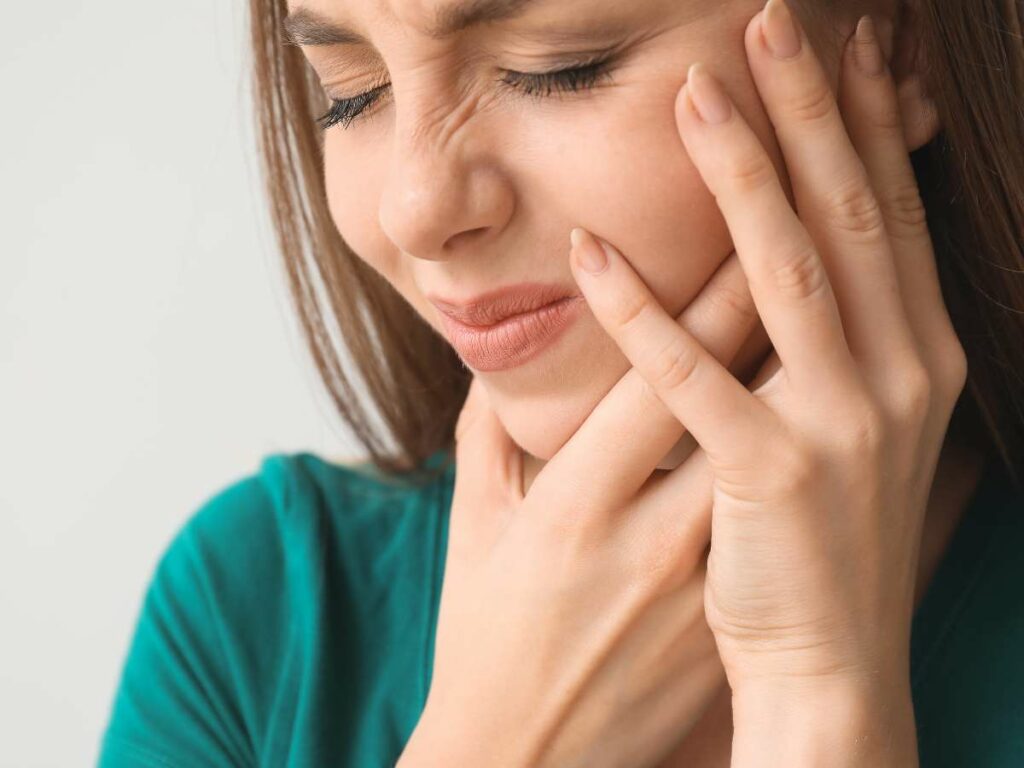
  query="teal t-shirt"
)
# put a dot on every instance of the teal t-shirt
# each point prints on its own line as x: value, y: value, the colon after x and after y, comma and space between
x: 290, y: 622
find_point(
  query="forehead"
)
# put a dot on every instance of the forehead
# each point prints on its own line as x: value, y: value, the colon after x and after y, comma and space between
x: 325, y: 20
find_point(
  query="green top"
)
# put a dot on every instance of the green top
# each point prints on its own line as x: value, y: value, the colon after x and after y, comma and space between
x: 290, y: 622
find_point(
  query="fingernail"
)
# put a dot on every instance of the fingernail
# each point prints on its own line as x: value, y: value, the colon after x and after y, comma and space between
x: 587, y: 252
x: 707, y: 95
x: 780, y: 30
x: 866, y: 52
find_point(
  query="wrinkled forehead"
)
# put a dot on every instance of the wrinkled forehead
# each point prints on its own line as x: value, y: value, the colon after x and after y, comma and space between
x: 328, y: 21
x: 435, y: 18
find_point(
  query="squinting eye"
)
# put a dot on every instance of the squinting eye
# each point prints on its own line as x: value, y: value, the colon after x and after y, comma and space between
x: 344, y: 111
x: 539, y: 84
x: 571, y: 79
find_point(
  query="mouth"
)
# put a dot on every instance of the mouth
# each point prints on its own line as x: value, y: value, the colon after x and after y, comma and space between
x: 514, y: 339
x: 493, y: 306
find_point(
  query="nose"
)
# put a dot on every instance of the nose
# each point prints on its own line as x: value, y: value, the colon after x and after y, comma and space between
x: 444, y: 191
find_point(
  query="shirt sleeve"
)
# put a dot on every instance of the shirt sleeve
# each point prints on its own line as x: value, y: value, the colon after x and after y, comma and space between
x: 176, y: 704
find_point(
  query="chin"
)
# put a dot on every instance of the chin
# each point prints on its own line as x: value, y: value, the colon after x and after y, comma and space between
x: 541, y: 426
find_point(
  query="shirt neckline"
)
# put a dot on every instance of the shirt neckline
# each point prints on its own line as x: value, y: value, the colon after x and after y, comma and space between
x: 948, y: 591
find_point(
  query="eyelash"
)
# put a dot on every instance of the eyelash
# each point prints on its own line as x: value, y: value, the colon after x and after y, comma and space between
x: 538, y: 84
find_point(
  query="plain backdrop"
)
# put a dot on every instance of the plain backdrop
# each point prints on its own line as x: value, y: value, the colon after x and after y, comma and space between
x: 148, y: 356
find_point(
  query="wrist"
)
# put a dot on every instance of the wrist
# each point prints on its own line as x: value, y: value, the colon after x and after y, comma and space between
x: 838, y: 723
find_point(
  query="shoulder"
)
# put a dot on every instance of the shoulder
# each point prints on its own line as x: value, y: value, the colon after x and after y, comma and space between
x: 238, y: 621
x: 293, y: 508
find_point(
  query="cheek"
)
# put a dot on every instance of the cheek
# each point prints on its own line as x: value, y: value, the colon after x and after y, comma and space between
x: 613, y: 162
x: 353, y: 180
x: 656, y: 207
x: 620, y: 169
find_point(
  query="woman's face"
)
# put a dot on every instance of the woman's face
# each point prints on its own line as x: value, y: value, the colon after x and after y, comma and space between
x: 455, y: 183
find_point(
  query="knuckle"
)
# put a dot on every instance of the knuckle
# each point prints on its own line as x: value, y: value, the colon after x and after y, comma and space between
x: 852, y: 207
x: 915, y: 397
x: 905, y: 207
x: 798, y: 469
x: 800, y: 274
x: 951, y: 370
x: 733, y: 302
x: 814, y: 104
x: 956, y: 368
x: 629, y: 309
x: 750, y: 173
x: 673, y: 365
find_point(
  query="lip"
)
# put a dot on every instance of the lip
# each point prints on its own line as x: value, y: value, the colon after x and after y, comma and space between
x: 494, y: 306
x: 505, y: 328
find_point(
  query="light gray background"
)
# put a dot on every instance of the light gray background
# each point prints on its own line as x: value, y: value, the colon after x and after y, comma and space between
x: 148, y: 356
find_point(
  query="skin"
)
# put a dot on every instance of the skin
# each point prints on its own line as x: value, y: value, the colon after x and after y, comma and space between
x: 442, y: 173
x: 855, y: 417
x: 427, y: 183
x: 514, y: 184
x: 439, y: 181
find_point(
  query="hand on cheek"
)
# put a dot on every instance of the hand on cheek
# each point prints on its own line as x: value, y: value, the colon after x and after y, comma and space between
x: 830, y: 459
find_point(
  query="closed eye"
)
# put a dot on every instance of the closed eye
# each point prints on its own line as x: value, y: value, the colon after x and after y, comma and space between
x: 537, y: 84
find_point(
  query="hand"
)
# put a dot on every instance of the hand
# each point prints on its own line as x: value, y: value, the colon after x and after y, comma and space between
x: 571, y: 625
x: 822, y: 473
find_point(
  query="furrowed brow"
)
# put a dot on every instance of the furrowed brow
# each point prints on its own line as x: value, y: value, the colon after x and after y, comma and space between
x: 304, y: 26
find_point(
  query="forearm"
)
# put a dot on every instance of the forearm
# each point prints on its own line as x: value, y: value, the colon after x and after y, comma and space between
x: 839, y: 726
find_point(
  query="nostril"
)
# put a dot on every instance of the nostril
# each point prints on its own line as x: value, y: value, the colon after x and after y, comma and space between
x: 456, y: 240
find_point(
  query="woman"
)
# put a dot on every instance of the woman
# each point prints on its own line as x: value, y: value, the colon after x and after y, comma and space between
x: 736, y: 481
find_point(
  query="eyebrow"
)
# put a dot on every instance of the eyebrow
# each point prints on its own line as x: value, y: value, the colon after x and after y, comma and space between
x: 304, y: 26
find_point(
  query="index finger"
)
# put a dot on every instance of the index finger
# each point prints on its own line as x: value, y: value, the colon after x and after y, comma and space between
x: 617, y: 448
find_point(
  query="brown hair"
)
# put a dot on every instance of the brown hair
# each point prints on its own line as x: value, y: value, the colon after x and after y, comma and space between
x: 972, y: 183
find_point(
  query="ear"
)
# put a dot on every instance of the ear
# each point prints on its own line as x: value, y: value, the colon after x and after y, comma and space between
x: 901, y: 42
